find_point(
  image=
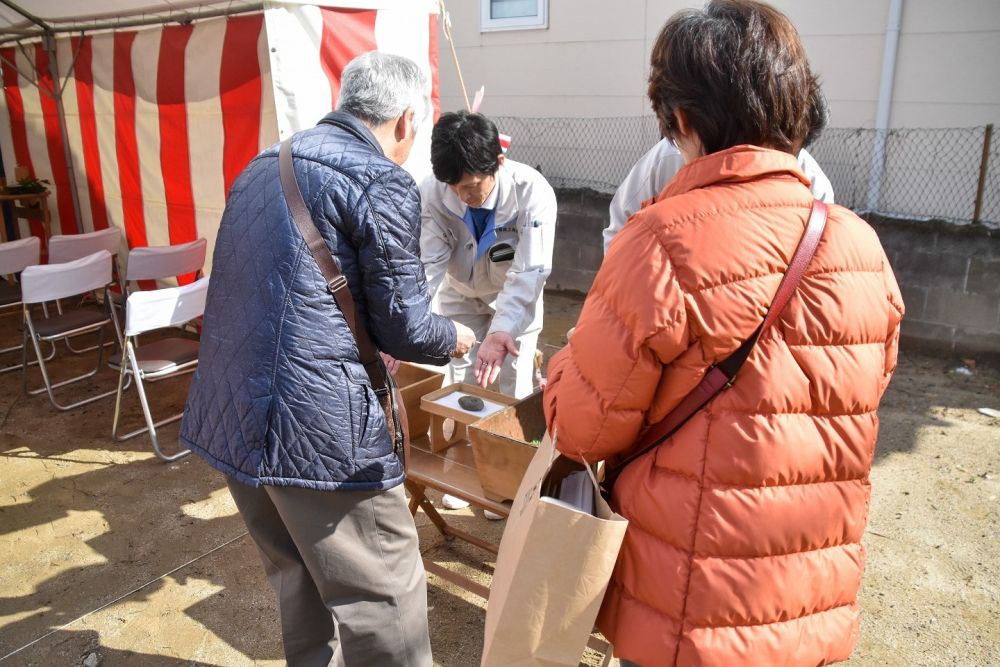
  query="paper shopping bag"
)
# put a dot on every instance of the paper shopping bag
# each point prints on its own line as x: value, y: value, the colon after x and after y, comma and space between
x: 552, y: 570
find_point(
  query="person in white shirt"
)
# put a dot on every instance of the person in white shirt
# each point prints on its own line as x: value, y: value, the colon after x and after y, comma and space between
x: 653, y: 171
x: 487, y: 230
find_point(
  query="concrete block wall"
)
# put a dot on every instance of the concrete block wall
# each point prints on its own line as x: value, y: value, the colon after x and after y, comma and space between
x: 579, y: 249
x: 949, y: 275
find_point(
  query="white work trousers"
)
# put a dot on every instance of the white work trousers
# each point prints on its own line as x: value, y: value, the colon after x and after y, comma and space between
x: 517, y: 375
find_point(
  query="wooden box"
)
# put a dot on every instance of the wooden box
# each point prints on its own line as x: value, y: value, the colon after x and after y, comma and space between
x: 414, y: 382
x: 503, y: 445
x: 442, y: 407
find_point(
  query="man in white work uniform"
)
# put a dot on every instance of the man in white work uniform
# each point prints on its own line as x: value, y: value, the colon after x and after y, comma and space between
x: 488, y: 225
x: 653, y: 171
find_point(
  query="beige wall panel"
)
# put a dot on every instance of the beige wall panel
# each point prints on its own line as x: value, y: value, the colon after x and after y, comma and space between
x: 951, y: 16
x: 846, y: 18
x: 950, y: 73
x: 924, y: 114
x: 811, y: 17
x: 851, y: 113
x: 593, y: 59
x: 569, y: 21
x: 849, y: 68
x: 547, y: 72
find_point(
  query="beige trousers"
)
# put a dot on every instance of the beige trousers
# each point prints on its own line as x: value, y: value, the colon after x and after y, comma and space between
x: 346, y: 569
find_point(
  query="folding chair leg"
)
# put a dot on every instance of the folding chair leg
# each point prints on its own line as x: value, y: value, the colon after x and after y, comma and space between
x: 108, y: 304
x: 84, y: 350
x: 49, y: 386
x: 17, y: 348
x: 129, y: 358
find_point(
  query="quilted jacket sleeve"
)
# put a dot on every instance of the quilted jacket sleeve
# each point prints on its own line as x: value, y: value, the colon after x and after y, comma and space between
x: 633, y: 324
x: 399, y: 306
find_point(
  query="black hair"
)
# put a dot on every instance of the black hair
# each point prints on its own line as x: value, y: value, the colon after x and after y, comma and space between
x: 464, y: 143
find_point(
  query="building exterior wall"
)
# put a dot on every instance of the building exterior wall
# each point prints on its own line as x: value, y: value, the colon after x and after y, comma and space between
x: 593, y: 58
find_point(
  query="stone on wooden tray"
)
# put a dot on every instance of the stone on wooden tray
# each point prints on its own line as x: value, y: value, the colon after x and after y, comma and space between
x: 471, y: 403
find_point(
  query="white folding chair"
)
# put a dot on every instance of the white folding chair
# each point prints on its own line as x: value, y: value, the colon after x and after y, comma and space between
x: 162, y: 262
x: 147, y: 311
x: 52, y: 282
x: 165, y: 262
x: 68, y: 247
x: 16, y: 256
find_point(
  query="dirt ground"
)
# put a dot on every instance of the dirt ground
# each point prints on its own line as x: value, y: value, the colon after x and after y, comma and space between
x: 110, y: 557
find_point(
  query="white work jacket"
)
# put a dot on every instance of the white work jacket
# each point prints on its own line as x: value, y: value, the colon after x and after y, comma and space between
x: 653, y: 171
x: 525, y: 219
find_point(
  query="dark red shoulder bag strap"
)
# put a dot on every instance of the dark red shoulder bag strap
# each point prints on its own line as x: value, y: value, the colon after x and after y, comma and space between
x: 723, y: 374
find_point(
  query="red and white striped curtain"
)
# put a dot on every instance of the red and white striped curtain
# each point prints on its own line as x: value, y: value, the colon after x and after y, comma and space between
x: 161, y: 121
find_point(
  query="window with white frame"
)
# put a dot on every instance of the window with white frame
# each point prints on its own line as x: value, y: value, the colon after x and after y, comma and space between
x: 514, y: 14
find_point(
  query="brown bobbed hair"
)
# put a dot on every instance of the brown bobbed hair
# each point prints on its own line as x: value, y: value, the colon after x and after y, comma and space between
x: 739, y: 73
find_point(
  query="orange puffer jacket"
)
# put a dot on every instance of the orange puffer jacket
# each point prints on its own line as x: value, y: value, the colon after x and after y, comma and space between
x: 744, y: 545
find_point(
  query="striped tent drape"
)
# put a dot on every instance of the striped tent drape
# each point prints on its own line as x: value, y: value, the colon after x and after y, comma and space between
x: 161, y: 121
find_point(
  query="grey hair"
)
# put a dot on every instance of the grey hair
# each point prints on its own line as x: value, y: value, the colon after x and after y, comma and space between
x: 378, y: 87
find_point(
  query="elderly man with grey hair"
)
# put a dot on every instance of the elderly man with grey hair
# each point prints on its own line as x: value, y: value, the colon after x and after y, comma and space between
x: 281, y: 402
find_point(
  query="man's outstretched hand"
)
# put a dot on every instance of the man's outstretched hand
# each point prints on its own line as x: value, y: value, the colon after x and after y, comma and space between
x: 492, y: 353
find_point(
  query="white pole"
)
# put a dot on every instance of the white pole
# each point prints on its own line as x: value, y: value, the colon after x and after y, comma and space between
x: 884, y: 108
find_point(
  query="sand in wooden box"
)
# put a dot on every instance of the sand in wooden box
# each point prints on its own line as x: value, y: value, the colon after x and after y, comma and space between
x: 504, y: 443
x: 414, y: 382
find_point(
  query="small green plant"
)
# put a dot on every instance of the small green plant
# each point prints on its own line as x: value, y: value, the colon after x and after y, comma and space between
x: 28, y: 185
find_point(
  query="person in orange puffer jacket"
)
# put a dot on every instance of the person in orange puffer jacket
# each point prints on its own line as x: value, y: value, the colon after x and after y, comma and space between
x: 744, y: 542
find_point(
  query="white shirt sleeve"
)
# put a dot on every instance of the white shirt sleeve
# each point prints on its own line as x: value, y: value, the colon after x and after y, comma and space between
x: 821, y: 187
x: 646, y: 179
x: 517, y: 302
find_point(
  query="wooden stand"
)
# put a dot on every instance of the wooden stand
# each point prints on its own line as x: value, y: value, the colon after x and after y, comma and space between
x: 30, y: 206
x: 413, y: 382
x: 453, y: 471
x: 502, y: 445
x: 450, y: 471
x: 440, y: 440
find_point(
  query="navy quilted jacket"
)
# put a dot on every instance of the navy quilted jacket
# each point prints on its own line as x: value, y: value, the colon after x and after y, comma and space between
x: 280, y: 396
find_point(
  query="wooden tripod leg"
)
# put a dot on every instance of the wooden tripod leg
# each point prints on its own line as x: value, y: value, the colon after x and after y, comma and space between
x: 418, y: 499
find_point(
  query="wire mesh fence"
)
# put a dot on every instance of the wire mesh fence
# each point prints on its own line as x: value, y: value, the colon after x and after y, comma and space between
x: 916, y: 173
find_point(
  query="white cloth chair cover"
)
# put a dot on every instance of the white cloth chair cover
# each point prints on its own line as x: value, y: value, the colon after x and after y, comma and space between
x: 49, y: 282
x: 68, y: 247
x: 161, y: 262
x: 15, y: 256
x: 157, y: 309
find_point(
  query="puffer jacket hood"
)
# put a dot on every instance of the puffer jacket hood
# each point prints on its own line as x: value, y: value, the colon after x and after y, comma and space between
x: 280, y: 396
x: 744, y: 543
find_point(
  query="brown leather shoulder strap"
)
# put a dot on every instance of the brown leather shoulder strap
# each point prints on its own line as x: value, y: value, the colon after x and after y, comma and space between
x: 336, y: 283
